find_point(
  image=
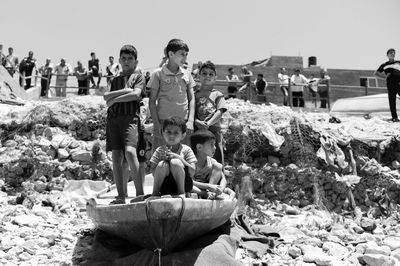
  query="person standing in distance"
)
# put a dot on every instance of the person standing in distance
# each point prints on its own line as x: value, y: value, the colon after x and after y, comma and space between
x: 390, y: 71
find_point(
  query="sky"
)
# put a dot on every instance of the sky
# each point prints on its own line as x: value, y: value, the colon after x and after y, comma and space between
x: 344, y: 34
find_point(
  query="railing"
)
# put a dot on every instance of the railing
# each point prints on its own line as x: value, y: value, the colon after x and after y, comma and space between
x: 274, y: 94
x: 53, y: 77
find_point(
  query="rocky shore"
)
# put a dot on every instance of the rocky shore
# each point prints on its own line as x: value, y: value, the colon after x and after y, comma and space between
x: 331, y: 190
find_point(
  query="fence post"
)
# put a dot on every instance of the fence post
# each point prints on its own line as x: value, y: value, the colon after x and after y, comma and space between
x: 290, y: 93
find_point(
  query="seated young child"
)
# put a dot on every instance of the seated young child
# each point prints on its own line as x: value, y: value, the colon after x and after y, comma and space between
x: 209, y: 179
x: 173, y: 164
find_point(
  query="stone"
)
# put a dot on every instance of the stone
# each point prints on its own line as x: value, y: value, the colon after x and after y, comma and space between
x: 392, y: 242
x: 357, y: 229
x: 367, y: 224
x: 396, y: 254
x: 40, y: 186
x: 378, y: 260
x: 335, y: 249
x: 27, y: 219
x: 294, y: 252
x: 374, y: 249
x: 395, y: 164
x: 10, y: 143
x: 44, y: 144
x: 81, y: 155
x: 62, y: 153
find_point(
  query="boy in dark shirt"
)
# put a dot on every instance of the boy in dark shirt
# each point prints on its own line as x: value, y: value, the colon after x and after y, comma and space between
x: 123, y: 123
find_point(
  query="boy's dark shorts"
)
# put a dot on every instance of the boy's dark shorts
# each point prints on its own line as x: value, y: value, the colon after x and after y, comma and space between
x: 169, y: 186
x: 122, y: 131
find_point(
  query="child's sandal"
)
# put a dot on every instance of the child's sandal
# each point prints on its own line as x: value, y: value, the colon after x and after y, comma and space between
x: 117, y: 200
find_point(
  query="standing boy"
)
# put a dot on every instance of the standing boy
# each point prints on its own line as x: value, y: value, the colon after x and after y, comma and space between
x: 210, y: 106
x: 123, y: 123
x: 390, y: 71
x: 171, y: 91
x: 209, y: 180
x: 173, y: 164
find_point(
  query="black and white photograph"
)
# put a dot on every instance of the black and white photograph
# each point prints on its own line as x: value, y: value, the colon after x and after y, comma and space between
x: 206, y: 133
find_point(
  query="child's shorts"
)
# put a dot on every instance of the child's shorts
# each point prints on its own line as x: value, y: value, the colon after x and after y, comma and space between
x: 169, y: 186
x: 122, y: 131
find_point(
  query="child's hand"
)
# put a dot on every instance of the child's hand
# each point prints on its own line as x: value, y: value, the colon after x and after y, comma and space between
x: 215, y: 189
x: 211, y: 195
x: 189, y: 127
x: 172, y: 155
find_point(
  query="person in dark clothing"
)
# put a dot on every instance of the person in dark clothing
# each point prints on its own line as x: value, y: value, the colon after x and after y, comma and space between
x: 94, y: 70
x: 232, y: 89
x: 390, y: 71
x: 26, y: 68
x: 261, y: 88
x: 323, y: 91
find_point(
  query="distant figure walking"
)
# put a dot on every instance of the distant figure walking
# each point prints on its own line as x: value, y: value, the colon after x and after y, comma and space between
x: 45, y: 71
x: 390, y: 71
x: 94, y: 70
x: 284, y: 85
x: 298, y: 81
x: 232, y: 89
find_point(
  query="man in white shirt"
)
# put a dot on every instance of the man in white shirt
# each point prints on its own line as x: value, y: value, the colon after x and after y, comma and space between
x: 284, y: 85
x: 62, y: 71
x: 11, y: 62
x: 298, y: 82
x: 112, y: 69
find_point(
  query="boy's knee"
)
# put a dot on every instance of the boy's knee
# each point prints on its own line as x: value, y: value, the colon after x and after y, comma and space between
x: 163, y: 166
x: 175, y: 163
x: 130, y: 153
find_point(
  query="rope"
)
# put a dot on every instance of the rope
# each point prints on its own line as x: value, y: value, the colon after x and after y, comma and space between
x: 177, y: 227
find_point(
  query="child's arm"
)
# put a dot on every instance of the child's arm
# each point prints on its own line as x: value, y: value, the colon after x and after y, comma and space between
x: 191, y: 99
x: 154, y: 85
x: 133, y: 95
x: 215, y: 118
x: 112, y: 94
x: 221, y: 108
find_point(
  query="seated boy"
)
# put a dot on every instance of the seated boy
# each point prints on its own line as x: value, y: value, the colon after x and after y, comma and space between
x: 209, y: 180
x: 173, y: 164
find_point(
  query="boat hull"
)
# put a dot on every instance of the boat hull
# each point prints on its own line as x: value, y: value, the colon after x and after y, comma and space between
x: 165, y: 223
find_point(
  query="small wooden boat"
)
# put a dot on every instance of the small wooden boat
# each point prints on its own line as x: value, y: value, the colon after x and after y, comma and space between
x: 162, y: 223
